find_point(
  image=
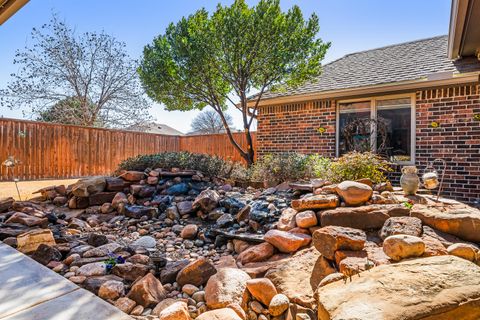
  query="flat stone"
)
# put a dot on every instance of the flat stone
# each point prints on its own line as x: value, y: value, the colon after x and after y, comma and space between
x: 130, y: 271
x: 461, y: 221
x: 329, y: 239
x: 88, y: 186
x: 256, y: 253
x: 169, y: 273
x: 92, y: 269
x: 100, y: 198
x: 176, y: 311
x: 443, y: 287
x: 285, y: 241
x: 401, y: 225
x: 29, y: 241
x: 136, y: 212
x: 315, y: 202
x: 197, y: 273
x: 27, y: 220
x: 145, y: 242
x: 366, y: 217
x: 133, y: 175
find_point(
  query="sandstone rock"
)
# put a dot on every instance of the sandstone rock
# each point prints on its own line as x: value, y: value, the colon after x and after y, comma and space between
x: 176, y: 311
x: 132, y: 175
x: 125, y: 304
x: 27, y: 220
x: 139, y: 258
x: 306, y: 219
x: 366, y: 217
x: 354, y: 193
x: 225, y: 287
x: 147, y: 291
x: 376, y: 254
x: 401, y: 246
x: 219, y: 314
x: 197, y: 273
x: 189, y: 289
x: 285, y: 241
x: 45, y: 253
x: 463, y: 222
x: 207, y: 200
x: 315, y: 202
x: 278, y: 305
x: 88, y: 186
x: 111, y: 290
x: 170, y: 271
x: 92, y: 269
x: 130, y: 271
x: 351, y: 266
x: 463, y: 250
x: 443, y: 287
x: 256, y: 253
x: 287, y: 220
x: 433, y: 246
x: 31, y: 240
x: 137, y: 311
x: 103, y: 251
x: 165, y: 303
x: 401, y: 225
x: 189, y: 231
x: 262, y: 289
x: 120, y: 197
x: 329, y: 239
x: 333, y: 277
x: 299, y: 276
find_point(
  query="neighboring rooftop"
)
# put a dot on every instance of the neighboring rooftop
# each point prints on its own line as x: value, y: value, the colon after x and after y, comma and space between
x: 395, y: 63
x: 158, y: 128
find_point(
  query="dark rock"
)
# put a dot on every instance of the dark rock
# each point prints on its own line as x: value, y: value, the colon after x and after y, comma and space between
x: 225, y: 221
x: 178, y: 189
x: 6, y: 203
x: 136, y: 212
x: 169, y: 273
x: 45, y: 253
x: 97, y: 240
x: 130, y: 271
x: 147, y: 191
x: 197, y: 273
x: 94, y: 283
x: 233, y: 205
x: 100, y: 198
x: 114, y: 184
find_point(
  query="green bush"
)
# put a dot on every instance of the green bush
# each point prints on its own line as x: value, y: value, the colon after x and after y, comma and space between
x: 209, y: 165
x: 357, y: 165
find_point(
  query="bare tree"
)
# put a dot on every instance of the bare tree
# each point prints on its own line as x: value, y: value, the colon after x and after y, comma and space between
x: 92, y: 68
x: 209, y: 121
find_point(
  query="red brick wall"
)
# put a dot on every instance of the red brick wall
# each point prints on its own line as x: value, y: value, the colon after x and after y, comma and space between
x: 293, y: 127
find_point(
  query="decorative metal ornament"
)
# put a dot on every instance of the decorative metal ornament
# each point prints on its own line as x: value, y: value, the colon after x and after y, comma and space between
x: 431, y: 179
x: 10, y: 164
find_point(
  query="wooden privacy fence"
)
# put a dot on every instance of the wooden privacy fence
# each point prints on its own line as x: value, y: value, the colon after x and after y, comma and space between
x: 48, y: 150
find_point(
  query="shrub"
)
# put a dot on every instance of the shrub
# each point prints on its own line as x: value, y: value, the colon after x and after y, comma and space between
x: 290, y: 166
x: 357, y: 165
x: 209, y: 165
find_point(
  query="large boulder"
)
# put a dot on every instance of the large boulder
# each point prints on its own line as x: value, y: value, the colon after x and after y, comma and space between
x: 442, y: 287
x: 197, y: 273
x: 402, y: 246
x: 329, y: 239
x: 207, y: 200
x: 401, y: 225
x: 88, y: 186
x: 316, y: 202
x: 285, y: 241
x: 461, y: 221
x: 299, y: 276
x: 354, y: 193
x: 147, y: 291
x: 225, y: 287
x: 366, y: 217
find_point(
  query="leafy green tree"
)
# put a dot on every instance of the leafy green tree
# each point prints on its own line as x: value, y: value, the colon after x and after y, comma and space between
x: 207, y: 60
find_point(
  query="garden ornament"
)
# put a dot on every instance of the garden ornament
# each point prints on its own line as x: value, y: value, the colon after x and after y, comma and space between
x: 10, y: 164
x: 430, y: 178
x: 409, y: 180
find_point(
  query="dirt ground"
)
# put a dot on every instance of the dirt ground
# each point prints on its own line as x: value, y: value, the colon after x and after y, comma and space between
x: 26, y: 188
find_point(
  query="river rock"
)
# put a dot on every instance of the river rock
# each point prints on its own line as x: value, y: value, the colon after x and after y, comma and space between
x: 365, y: 217
x: 125, y: 304
x: 401, y: 225
x: 256, y: 253
x: 219, y: 314
x: 442, y: 287
x: 461, y: 221
x: 147, y: 291
x: 354, y: 193
x: 197, y: 272
x: 329, y: 239
x: 189, y: 231
x: 285, y: 241
x: 298, y: 277
x: 103, y: 250
x: 401, y: 246
x: 278, y: 305
x: 306, y: 219
x: 315, y: 202
x: 262, y: 289
x: 225, y: 287
x: 92, y: 269
x: 145, y: 242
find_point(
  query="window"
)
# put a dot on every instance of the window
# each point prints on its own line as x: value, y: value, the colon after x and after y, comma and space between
x: 382, y: 125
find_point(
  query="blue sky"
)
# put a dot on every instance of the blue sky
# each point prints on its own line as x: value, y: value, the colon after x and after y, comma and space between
x: 351, y: 25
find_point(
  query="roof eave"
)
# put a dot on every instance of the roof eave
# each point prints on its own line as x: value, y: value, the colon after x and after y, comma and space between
x: 9, y: 8
x: 458, y: 17
x: 371, y: 90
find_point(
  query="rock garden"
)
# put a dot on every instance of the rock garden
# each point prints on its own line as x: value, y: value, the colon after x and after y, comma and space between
x: 168, y: 242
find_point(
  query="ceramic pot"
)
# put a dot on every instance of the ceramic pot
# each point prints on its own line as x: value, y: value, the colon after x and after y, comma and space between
x: 409, y: 180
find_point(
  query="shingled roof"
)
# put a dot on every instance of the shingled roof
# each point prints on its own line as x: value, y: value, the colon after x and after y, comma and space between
x: 400, y: 62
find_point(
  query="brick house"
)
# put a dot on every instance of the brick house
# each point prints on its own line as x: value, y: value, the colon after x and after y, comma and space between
x: 426, y: 94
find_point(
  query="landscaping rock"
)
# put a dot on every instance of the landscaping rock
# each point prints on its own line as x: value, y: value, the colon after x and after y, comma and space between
x: 278, y: 305
x: 256, y: 253
x: 138, y: 212
x: 442, y: 287
x: 130, y: 271
x: 185, y: 207
x: 111, y: 290
x: 286, y: 221
x: 125, y: 304
x: 92, y: 269
x: 285, y: 241
x: 207, y: 200
x: 145, y: 242
x: 189, y: 231
x: 306, y: 219
x: 165, y: 303
x: 170, y: 271
x: 262, y: 289
x: 315, y: 202
x: 219, y: 314
x: 329, y: 239
x: 97, y: 240
x: 299, y: 276
x: 433, y: 246
x: 463, y: 250
x: 402, y: 246
x: 354, y: 193
x: 225, y: 287
x: 103, y: 251
x: 197, y: 273
x: 175, y: 311
x: 133, y: 176
x: 27, y: 220
x: 366, y: 217
x: 147, y: 291
x: 88, y: 186
x: 463, y: 222
x: 401, y: 225
x: 29, y: 242
x: 6, y: 203
x: 45, y: 253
